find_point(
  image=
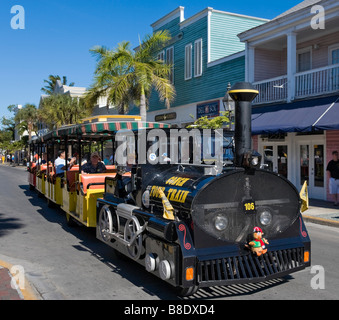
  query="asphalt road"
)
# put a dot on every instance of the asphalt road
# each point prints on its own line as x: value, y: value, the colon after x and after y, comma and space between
x: 70, y: 263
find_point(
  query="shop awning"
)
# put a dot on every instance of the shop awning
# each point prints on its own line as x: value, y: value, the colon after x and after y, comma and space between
x: 300, y: 116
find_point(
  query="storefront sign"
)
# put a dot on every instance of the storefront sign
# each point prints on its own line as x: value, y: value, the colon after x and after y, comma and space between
x: 166, y: 116
x: 209, y: 109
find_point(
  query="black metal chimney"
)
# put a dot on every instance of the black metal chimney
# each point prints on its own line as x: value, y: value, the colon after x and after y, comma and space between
x: 243, y: 94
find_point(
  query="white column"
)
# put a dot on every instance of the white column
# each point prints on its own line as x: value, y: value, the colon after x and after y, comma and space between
x: 249, y: 63
x: 291, y: 64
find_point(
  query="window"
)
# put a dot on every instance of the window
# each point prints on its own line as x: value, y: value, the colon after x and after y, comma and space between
x: 170, y: 60
x: 304, y: 60
x: 161, y: 56
x: 334, y: 54
x: 334, y: 74
x: 198, y: 58
x: 188, y: 61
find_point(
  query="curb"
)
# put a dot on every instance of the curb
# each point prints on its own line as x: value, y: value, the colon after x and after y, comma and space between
x: 28, y: 293
x: 325, y: 222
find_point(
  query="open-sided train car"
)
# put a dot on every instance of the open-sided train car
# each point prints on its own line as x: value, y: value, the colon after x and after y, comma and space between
x: 77, y: 193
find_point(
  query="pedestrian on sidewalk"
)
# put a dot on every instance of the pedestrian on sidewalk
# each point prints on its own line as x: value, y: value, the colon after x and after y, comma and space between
x: 333, y: 169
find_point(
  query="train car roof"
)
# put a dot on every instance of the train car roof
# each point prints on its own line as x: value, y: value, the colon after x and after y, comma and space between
x: 98, y: 130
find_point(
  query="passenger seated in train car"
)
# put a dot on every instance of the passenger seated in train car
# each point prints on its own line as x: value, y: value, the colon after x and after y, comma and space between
x: 106, y: 160
x: 76, y: 156
x: 44, y: 158
x: 94, y: 165
x: 85, y: 158
x: 60, y: 163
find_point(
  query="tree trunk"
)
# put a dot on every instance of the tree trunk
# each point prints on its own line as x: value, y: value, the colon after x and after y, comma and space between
x: 121, y: 109
x: 143, y: 113
x: 30, y: 129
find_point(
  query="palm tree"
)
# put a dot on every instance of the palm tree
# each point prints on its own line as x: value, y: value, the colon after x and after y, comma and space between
x: 60, y: 109
x: 27, y: 117
x: 125, y: 76
x: 51, y: 82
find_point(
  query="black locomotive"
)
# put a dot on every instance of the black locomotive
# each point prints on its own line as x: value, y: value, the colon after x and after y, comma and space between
x: 192, y: 227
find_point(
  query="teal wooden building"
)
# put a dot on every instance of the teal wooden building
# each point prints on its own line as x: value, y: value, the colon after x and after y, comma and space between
x: 206, y: 55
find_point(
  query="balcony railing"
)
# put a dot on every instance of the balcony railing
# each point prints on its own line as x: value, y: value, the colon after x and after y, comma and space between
x: 317, y: 81
x: 309, y: 83
x: 271, y: 90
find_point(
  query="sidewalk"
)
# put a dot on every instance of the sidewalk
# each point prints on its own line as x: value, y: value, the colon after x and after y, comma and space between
x: 9, y: 286
x: 6, y: 290
x: 322, y: 212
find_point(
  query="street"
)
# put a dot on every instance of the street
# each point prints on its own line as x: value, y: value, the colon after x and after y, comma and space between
x: 70, y: 263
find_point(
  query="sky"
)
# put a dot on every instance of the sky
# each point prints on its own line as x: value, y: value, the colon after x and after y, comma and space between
x: 57, y: 36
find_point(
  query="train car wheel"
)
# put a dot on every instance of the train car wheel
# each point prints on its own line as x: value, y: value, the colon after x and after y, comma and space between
x: 70, y: 221
x: 50, y: 203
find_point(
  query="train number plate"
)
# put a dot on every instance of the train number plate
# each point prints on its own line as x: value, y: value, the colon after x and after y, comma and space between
x: 249, y: 206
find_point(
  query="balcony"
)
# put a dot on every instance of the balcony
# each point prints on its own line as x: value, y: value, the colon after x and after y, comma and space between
x: 314, y: 82
x: 271, y: 90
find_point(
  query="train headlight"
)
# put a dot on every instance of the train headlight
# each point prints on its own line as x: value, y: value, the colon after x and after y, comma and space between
x: 265, y: 217
x: 255, y: 161
x: 251, y: 159
x: 220, y: 222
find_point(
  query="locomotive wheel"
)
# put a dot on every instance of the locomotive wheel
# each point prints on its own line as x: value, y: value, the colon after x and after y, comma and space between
x: 105, y: 223
x: 131, y: 227
x: 185, y: 292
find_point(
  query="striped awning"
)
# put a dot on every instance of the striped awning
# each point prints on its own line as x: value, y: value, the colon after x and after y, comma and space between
x: 99, y: 129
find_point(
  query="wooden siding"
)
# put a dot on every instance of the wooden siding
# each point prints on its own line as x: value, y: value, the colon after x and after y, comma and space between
x: 172, y: 27
x: 269, y: 64
x: 212, y: 83
x: 224, y: 31
x: 332, y: 143
x: 320, y: 55
x: 273, y: 63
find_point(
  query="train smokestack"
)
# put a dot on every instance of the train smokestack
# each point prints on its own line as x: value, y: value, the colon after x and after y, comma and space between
x: 243, y: 93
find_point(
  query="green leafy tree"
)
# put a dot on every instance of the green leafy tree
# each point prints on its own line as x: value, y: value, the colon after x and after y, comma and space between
x: 212, y: 123
x: 27, y: 117
x: 51, y: 82
x: 5, y: 140
x: 126, y: 76
x: 8, y: 124
x: 60, y: 109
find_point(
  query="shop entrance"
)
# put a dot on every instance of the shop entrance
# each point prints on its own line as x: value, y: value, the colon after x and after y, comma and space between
x: 311, y: 168
x: 275, y: 158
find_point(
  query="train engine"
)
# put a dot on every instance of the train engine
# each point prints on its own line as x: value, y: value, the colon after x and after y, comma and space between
x: 194, y: 228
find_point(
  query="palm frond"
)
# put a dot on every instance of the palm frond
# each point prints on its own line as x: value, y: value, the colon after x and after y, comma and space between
x: 127, y: 76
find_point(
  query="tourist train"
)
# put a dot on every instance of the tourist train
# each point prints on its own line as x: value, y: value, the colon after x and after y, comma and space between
x: 191, y: 223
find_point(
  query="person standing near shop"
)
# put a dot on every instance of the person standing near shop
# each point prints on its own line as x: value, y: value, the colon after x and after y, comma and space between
x: 333, y: 169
